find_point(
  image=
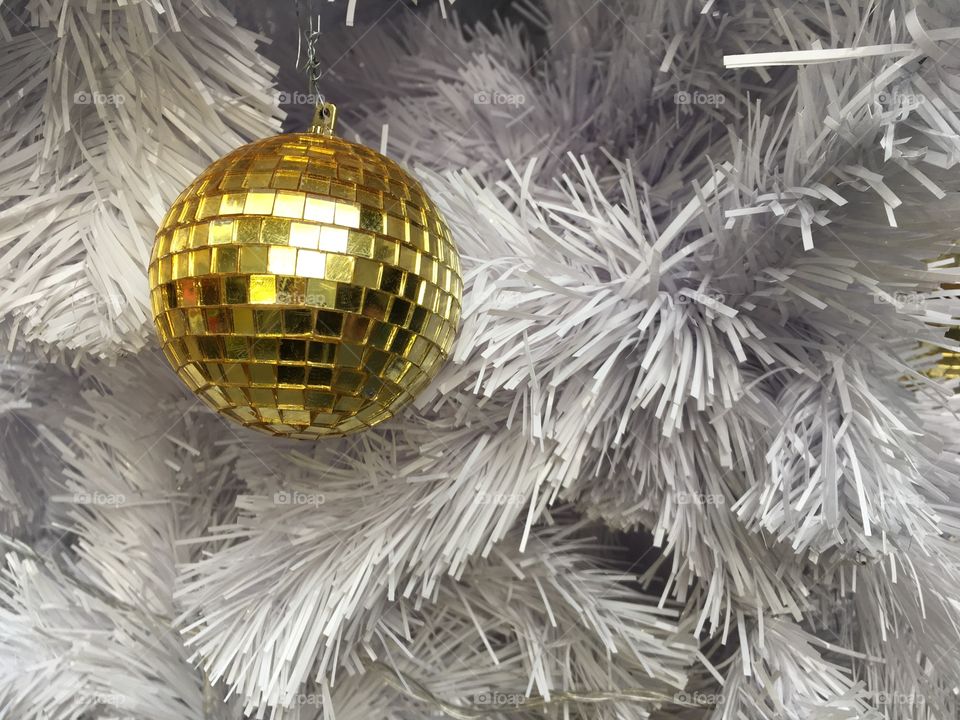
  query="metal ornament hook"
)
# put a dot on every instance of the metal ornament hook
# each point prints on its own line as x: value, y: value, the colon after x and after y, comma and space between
x: 324, y: 118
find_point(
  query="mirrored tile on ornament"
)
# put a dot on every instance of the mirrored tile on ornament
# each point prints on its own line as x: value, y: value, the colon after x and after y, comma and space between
x: 289, y: 204
x: 314, y: 185
x: 176, y: 323
x: 263, y: 289
x: 428, y: 296
x: 415, y: 381
x: 243, y: 415
x: 225, y: 259
x: 293, y: 350
x: 360, y: 244
x: 321, y: 167
x: 350, y: 173
x: 381, y: 335
x: 291, y: 374
x: 369, y: 199
x: 355, y: 328
x: 366, y: 273
x: 432, y: 357
x: 416, y: 237
x: 349, y: 425
x: 253, y: 260
x: 322, y: 352
x: 329, y: 323
x: 265, y: 160
x: 231, y: 181
x: 343, y: 191
x: 289, y: 398
x: 193, y: 347
x: 304, y: 235
x: 418, y: 318
x: 391, y: 280
x: 375, y: 180
x: 374, y: 360
x: 297, y: 322
x: 275, y: 231
x: 165, y: 271
x: 233, y: 373
x: 347, y: 381
x: 194, y: 377
x: 349, y: 405
x: 267, y: 414
x: 237, y: 347
x: 317, y: 399
x: 243, y: 321
x: 295, y: 417
x: 178, y: 240
x: 399, y: 311
x: 282, y: 260
x: 268, y: 321
x: 373, y: 414
x: 200, y: 261
x: 209, y: 290
x: 395, y: 227
x: 293, y: 161
x: 187, y: 293
x: 319, y: 210
x: 349, y: 297
x: 386, y: 251
x: 321, y: 293
x: 217, y: 320
x: 235, y: 289
x: 291, y: 290
x: 209, y: 207
x: 396, y: 369
x: 171, y: 356
x: 232, y: 203
x: 286, y: 180
x: 325, y: 420
x: 409, y: 259
x: 401, y: 340
x: 214, y: 397
x: 333, y: 239
x: 392, y: 203
x: 411, y: 287
x: 211, y: 348
x: 311, y: 264
x: 399, y: 188
x: 418, y: 351
x: 262, y: 373
x: 320, y: 377
x: 259, y: 202
x: 213, y: 371
x: 347, y: 215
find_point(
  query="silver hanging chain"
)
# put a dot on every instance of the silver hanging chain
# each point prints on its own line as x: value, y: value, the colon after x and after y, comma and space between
x: 308, y: 40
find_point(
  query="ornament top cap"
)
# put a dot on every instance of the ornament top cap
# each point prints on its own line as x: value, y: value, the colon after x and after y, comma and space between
x: 324, y: 118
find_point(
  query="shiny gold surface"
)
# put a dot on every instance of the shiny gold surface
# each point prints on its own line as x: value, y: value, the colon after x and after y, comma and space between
x: 305, y: 286
x: 949, y: 365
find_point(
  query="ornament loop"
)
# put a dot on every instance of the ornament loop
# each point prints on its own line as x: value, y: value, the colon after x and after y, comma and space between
x: 324, y: 118
x: 310, y: 36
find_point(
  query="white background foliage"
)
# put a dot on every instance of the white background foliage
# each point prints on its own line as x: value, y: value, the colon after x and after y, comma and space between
x: 685, y: 462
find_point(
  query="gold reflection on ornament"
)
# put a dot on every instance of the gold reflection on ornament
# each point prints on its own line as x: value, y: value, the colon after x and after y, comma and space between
x: 306, y: 286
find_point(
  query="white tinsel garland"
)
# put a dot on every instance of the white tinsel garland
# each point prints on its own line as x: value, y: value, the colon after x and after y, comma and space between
x: 108, y: 111
x: 698, y: 277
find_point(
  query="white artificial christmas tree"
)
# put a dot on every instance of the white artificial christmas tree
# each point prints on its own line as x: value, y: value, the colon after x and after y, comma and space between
x: 687, y: 459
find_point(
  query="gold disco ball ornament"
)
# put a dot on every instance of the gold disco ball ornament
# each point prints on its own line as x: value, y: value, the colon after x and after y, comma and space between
x: 304, y: 285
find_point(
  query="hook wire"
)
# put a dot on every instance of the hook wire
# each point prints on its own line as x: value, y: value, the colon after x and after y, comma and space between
x: 307, y: 41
